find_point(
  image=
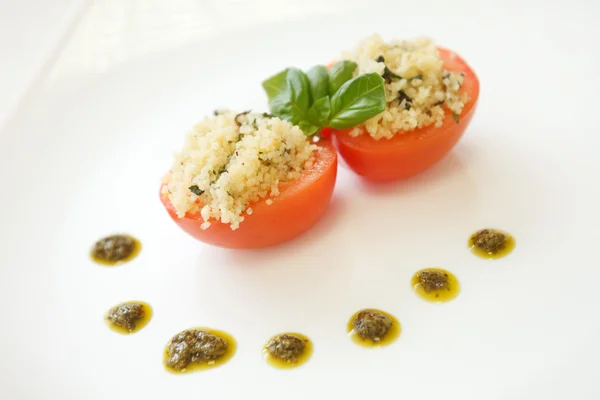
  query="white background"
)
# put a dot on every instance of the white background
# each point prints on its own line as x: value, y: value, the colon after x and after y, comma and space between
x: 96, y: 96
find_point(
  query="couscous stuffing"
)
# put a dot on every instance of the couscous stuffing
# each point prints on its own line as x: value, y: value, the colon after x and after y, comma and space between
x: 231, y: 160
x: 416, y: 85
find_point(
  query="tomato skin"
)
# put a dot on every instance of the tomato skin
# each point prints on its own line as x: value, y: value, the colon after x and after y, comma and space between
x: 408, y: 154
x: 299, y: 206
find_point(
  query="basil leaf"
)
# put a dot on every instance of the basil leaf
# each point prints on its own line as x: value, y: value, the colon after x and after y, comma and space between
x: 275, y: 84
x: 339, y: 74
x: 357, y: 100
x: 325, y: 98
x: 289, y: 101
x: 308, y: 128
x: 319, y: 113
x: 318, y: 78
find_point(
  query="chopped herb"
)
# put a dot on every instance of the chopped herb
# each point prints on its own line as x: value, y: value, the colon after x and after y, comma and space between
x: 455, y: 116
x: 239, y: 115
x: 255, y: 125
x: 229, y: 193
x: 439, y: 103
x: 416, y: 77
x: 407, y: 100
x: 216, y: 112
x: 389, y: 75
x: 267, y: 115
x: 220, y: 172
x: 196, y: 190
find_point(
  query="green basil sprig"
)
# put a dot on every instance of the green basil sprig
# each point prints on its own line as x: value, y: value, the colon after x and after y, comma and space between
x: 321, y: 97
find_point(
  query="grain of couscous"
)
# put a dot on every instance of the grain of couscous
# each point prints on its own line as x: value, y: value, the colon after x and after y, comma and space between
x: 416, y: 85
x: 231, y: 160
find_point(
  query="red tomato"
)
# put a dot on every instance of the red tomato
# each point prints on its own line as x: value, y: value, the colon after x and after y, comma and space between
x: 407, y: 154
x: 301, y: 203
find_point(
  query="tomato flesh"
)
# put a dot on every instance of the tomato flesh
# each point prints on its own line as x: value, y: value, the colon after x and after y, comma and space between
x: 407, y: 154
x: 300, y: 204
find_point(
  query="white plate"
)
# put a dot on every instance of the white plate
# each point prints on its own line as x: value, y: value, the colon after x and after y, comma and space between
x: 82, y: 158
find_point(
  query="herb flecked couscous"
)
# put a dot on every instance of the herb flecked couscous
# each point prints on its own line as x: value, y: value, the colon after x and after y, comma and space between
x: 231, y: 160
x: 430, y: 95
x: 416, y: 85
